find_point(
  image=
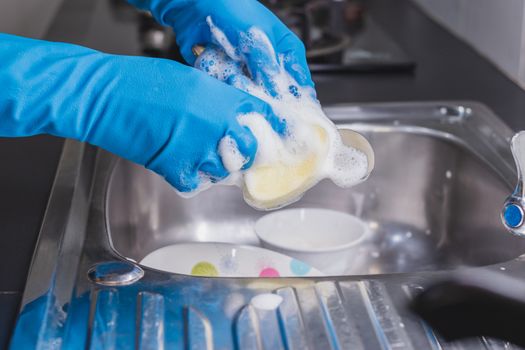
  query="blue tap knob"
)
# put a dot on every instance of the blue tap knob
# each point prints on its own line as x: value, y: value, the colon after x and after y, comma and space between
x: 513, y: 213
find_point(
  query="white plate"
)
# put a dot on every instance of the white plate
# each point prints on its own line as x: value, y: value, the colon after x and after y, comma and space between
x: 226, y: 260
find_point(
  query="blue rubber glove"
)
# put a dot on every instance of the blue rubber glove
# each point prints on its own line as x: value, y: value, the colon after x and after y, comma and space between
x: 158, y: 113
x: 234, y: 18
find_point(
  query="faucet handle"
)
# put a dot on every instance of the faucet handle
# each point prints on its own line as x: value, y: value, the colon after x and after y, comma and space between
x: 517, y: 146
x: 513, y: 213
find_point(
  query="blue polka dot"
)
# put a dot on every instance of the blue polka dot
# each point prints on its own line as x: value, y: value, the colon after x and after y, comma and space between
x: 513, y: 215
x: 299, y: 268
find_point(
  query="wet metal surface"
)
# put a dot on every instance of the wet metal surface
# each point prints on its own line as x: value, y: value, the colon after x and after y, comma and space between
x: 443, y: 171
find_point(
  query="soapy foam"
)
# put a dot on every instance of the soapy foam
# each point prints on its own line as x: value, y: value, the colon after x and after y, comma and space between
x: 220, y: 38
x: 217, y: 65
x: 232, y: 159
x: 304, y: 118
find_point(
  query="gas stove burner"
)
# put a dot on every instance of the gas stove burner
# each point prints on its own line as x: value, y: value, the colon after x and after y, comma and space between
x: 329, y: 46
x: 318, y: 24
x: 339, y: 35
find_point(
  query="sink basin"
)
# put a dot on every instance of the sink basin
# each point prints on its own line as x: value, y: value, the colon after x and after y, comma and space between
x: 443, y: 171
x: 431, y: 204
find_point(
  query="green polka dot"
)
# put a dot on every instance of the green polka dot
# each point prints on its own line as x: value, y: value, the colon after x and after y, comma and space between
x: 204, y: 268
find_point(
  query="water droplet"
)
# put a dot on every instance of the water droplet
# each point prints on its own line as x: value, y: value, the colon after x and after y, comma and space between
x: 502, y: 268
x: 373, y: 225
x: 448, y: 174
x: 266, y: 301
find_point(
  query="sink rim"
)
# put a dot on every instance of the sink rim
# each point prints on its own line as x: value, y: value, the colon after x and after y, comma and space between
x: 437, y: 127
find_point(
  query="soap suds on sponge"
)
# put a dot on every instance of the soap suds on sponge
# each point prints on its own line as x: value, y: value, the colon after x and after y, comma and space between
x: 285, y: 165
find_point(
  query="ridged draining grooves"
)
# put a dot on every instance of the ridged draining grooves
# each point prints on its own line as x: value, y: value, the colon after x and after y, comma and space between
x: 328, y: 316
x: 436, y: 342
x: 341, y: 328
x: 247, y: 332
x: 103, y: 319
x: 198, y: 330
x: 150, y: 324
x: 496, y: 344
x: 481, y: 343
x: 387, y: 323
x: 291, y: 321
x: 352, y: 315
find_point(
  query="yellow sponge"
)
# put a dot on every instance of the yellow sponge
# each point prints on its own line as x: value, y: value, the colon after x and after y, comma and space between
x: 273, y: 185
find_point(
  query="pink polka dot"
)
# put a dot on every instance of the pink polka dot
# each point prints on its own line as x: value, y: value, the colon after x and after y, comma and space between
x: 269, y: 272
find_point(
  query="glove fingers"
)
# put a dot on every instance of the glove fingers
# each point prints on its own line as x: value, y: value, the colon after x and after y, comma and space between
x: 241, y: 82
x: 198, y: 37
x: 214, y: 62
x: 187, y: 53
x: 294, y: 59
x: 184, y: 179
x: 302, y: 76
x: 223, y: 38
x: 188, y: 176
x: 234, y: 77
x: 214, y: 168
x: 253, y: 48
x: 278, y: 124
x: 260, y: 58
x: 246, y: 144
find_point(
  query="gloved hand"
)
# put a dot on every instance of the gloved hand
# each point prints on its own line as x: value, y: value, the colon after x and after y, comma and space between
x: 159, y: 113
x: 234, y: 18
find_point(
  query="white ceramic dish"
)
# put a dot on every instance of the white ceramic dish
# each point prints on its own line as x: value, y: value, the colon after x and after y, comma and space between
x: 325, y: 239
x: 226, y: 260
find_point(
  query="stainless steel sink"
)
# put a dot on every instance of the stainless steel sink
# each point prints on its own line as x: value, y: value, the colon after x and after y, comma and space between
x: 431, y: 202
x: 443, y: 171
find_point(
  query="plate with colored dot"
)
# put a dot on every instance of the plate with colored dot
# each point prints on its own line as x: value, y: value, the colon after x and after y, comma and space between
x: 226, y: 260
